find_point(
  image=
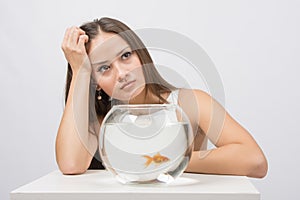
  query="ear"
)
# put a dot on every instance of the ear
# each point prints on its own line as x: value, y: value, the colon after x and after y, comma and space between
x: 98, y: 88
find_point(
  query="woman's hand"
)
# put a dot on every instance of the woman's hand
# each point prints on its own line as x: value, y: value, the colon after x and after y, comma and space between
x: 73, y: 46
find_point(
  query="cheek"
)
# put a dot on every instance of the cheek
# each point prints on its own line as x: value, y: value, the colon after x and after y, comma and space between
x: 136, y: 63
x: 106, y: 84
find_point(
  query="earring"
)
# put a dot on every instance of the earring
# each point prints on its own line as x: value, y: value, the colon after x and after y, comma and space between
x: 99, y: 97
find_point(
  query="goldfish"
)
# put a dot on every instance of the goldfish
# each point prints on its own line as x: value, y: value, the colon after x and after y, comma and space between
x: 157, y: 159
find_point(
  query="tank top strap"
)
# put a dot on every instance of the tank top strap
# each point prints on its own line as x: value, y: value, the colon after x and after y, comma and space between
x: 173, y: 97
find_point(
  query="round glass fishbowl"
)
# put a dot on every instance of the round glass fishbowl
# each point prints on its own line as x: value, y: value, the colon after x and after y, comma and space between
x: 146, y: 143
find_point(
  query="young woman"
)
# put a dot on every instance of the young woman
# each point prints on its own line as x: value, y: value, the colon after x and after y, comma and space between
x: 107, y: 57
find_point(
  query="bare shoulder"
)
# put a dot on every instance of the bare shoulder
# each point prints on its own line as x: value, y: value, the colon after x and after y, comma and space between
x: 195, y: 102
x: 197, y: 96
x: 196, y: 92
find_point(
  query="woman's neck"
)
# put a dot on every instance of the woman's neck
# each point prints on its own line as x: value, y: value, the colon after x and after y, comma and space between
x: 148, y: 98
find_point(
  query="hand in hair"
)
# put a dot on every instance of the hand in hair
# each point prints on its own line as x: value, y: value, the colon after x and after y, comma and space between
x: 73, y: 46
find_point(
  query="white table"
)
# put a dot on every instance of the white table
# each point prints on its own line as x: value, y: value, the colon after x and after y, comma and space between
x: 100, y: 185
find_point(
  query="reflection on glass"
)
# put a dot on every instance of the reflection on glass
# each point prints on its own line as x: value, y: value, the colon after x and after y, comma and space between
x: 146, y: 143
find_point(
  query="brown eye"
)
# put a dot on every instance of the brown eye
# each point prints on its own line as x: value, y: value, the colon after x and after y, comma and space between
x: 126, y: 55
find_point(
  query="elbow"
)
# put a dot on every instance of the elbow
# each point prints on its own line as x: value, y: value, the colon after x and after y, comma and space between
x: 259, y: 167
x: 71, y: 168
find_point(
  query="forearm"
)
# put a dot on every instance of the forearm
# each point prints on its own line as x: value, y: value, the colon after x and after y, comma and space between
x: 232, y: 159
x: 75, y: 147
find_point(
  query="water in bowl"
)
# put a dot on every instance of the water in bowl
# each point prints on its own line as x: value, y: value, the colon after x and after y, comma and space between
x: 146, y: 144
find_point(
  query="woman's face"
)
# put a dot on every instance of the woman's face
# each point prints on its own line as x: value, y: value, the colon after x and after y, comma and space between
x: 116, y: 68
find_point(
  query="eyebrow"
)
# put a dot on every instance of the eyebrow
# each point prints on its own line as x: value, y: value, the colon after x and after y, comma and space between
x: 105, y: 61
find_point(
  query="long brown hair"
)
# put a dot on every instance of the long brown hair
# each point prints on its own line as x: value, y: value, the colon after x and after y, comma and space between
x: 154, y: 82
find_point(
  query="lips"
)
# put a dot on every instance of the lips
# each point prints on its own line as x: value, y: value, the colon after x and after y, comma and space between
x: 126, y: 84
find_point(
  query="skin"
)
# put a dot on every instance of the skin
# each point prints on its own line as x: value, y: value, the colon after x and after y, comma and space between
x: 116, y: 68
x: 236, y: 151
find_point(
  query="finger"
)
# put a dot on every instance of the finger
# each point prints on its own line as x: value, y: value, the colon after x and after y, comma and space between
x: 66, y: 38
x: 67, y: 32
x: 80, y: 31
x: 82, y: 40
x: 73, y: 37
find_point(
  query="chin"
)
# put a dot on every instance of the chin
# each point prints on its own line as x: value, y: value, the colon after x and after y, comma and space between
x: 132, y: 96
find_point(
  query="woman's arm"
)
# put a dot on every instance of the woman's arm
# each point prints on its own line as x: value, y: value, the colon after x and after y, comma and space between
x: 72, y: 154
x: 237, y: 153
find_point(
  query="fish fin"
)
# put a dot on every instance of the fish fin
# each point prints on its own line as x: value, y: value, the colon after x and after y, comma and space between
x: 149, y: 160
x: 157, y: 155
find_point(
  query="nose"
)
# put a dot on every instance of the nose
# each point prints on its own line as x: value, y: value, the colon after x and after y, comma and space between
x: 121, y: 72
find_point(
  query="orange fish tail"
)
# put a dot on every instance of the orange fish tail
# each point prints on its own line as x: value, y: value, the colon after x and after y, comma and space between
x: 149, y: 160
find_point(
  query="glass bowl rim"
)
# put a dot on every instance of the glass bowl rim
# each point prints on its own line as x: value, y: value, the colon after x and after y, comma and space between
x: 137, y: 106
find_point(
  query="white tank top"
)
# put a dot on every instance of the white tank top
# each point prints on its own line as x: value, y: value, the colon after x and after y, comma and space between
x: 173, y: 97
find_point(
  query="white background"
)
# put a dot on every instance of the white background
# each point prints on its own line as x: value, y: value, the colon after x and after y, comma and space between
x: 254, y: 44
